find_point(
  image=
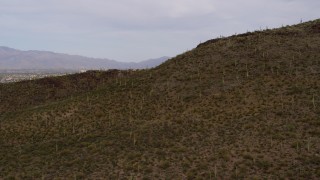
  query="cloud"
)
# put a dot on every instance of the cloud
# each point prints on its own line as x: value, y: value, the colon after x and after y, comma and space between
x: 139, y: 8
x: 107, y: 28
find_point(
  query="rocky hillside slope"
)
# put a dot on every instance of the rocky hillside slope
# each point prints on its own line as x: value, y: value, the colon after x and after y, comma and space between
x: 241, y: 107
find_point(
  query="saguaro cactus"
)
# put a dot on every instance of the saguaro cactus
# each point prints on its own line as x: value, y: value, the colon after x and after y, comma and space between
x: 247, y: 73
x: 313, y: 102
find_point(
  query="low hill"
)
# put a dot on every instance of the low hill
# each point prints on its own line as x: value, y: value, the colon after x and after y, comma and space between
x: 241, y: 107
x: 14, y: 59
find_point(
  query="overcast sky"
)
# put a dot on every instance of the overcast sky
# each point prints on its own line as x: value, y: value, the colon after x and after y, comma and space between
x: 135, y: 30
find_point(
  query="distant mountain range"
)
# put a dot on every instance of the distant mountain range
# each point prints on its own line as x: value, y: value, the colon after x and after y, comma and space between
x: 16, y: 59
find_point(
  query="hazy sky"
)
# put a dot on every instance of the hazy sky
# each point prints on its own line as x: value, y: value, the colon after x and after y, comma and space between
x: 134, y: 30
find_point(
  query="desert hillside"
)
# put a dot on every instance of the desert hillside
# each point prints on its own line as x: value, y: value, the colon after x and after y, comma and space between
x: 240, y: 107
